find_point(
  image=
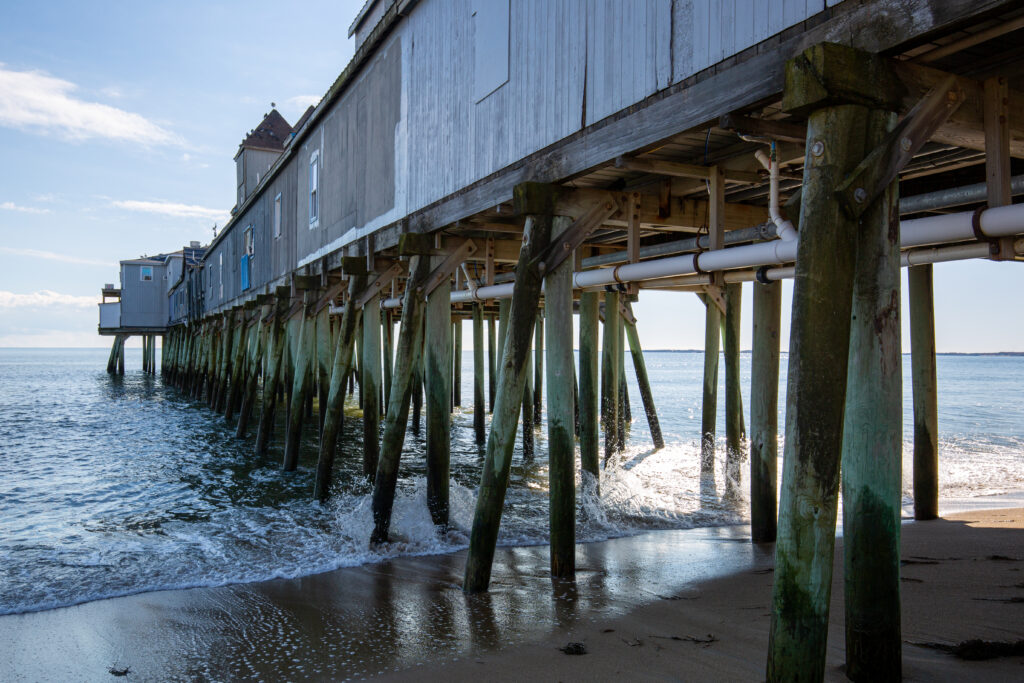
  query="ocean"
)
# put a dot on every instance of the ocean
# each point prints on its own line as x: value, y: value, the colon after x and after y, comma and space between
x: 120, y: 485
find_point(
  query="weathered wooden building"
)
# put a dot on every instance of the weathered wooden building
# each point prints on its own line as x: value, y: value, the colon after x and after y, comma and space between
x: 473, y: 151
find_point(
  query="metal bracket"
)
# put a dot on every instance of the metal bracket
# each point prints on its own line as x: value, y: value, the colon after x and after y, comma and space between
x: 451, y: 262
x: 379, y: 284
x: 882, y: 165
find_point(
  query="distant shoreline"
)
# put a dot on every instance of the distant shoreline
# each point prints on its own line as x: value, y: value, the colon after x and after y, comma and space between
x: 745, y: 351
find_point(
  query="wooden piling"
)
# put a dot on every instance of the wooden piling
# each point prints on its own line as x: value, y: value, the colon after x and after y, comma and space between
x: 120, y: 355
x: 709, y: 402
x: 389, y: 354
x: 340, y: 370
x: 492, y: 364
x: 561, y: 441
x: 837, y: 140
x: 371, y: 377
x: 764, y: 411
x: 479, y: 407
x: 538, y: 202
x: 324, y: 359
x: 240, y: 338
x: 644, y: 383
x: 590, y: 443
x: 112, y: 359
x: 527, y: 413
x: 872, y: 452
x: 457, y: 363
x: 734, y: 452
x: 417, y: 391
x: 625, y: 415
x: 259, y: 337
x: 538, y: 368
x: 410, y: 341
x: 609, y: 374
x: 925, y: 389
x: 273, y: 379
x: 301, y: 381
x: 437, y: 359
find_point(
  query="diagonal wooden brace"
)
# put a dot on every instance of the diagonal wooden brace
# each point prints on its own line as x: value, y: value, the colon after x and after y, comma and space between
x: 581, y: 228
x: 626, y: 311
x: 714, y: 294
x: 883, y: 164
x: 382, y: 281
x: 451, y: 262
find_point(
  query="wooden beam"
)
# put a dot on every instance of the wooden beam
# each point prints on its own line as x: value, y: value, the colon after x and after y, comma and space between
x: 997, y: 141
x: 786, y: 131
x: 680, y: 170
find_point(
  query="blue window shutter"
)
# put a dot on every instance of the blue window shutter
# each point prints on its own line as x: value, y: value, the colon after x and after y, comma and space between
x: 245, y: 272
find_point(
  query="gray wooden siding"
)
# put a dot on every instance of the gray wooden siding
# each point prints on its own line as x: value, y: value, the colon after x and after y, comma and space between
x: 143, y: 303
x: 409, y: 129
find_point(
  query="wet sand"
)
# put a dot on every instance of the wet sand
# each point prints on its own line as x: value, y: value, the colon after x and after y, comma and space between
x: 641, y: 605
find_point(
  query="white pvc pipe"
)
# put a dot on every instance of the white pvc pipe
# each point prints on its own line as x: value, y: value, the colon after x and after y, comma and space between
x: 1001, y: 221
x: 784, y: 228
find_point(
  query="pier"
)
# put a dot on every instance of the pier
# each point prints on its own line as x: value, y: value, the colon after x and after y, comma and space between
x: 821, y: 148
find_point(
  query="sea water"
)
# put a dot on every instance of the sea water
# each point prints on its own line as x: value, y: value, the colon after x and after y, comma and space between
x: 118, y: 485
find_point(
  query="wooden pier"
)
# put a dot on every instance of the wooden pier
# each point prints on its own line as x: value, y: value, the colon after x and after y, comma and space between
x: 785, y: 160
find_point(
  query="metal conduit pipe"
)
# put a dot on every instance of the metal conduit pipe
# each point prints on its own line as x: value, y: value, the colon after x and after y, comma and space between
x: 1002, y: 221
x: 955, y: 196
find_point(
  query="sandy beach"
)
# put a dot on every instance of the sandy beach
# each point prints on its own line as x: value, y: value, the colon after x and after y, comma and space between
x: 685, y: 605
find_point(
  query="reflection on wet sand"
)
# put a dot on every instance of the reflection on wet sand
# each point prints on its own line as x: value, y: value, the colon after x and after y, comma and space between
x: 363, y: 621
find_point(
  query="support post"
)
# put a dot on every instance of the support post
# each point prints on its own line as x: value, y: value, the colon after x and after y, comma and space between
x: 259, y: 339
x: 538, y: 368
x: 625, y: 416
x: 389, y: 354
x: 324, y: 360
x: 590, y: 443
x: 479, y: 406
x: 120, y: 355
x: 561, y: 438
x: 528, y: 411
x: 644, y: 383
x: 839, y: 136
x: 872, y: 452
x: 709, y: 404
x: 537, y: 201
x: 410, y: 342
x: 437, y: 361
x: 764, y: 411
x: 926, y: 412
x: 609, y: 374
x: 734, y: 454
x: 272, y: 380
x: 240, y: 336
x: 492, y: 367
x: 457, y: 363
x: 112, y: 359
x: 340, y: 369
x: 371, y: 377
x: 301, y: 381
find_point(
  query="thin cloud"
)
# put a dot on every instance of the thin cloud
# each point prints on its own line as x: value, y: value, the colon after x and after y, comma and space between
x: 11, y: 206
x: 37, y: 101
x: 54, y: 256
x: 303, y: 101
x: 171, y: 209
x: 44, y: 298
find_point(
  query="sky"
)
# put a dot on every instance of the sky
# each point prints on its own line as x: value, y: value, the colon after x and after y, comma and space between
x: 119, y: 122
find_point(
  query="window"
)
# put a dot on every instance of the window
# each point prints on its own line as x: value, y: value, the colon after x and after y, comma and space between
x: 146, y: 273
x: 220, y: 274
x: 277, y: 215
x: 314, y: 190
x: 491, y: 32
x: 250, y: 245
